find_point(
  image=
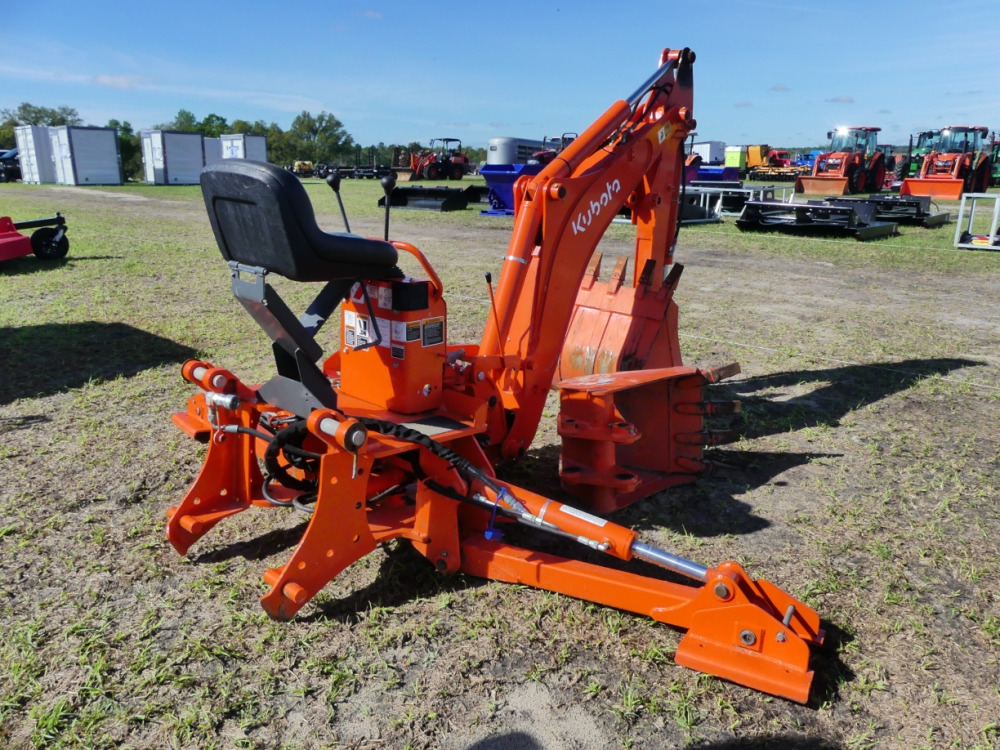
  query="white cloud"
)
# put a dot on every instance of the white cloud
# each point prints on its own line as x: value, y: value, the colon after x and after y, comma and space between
x: 120, y: 82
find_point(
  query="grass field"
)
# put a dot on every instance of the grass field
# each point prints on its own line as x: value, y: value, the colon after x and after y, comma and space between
x: 865, y: 483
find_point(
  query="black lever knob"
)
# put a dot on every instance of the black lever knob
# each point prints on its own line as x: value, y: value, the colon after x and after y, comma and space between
x: 388, y: 185
x: 333, y: 180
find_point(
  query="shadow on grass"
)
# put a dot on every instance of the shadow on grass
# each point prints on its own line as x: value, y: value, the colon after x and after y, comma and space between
x: 831, y: 673
x: 49, y: 358
x: 509, y: 741
x: 29, y: 264
x: 258, y: 548
x: 12, y: 424
x: 404, y: 576
x: 709, y: 507
x: 846, y: 388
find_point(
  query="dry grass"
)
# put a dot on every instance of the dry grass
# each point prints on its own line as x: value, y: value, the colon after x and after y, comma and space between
x: 866, y: 483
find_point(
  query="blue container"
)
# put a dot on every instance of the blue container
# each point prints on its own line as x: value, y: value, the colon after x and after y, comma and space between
x: 718, y: 174
x: 500, y: 179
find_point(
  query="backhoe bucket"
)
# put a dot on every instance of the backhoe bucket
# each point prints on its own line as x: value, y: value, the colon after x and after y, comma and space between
x: 822, y: 185
x: 621, y: 380
x: 945, y: 188
x: 617, y: 327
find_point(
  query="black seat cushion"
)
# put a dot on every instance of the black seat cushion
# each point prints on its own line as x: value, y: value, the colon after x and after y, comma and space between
x: 261, y: 216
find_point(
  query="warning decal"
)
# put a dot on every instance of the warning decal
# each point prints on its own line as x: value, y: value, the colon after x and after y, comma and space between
x: 433, y: 331
x: 385, y: 297
x: 384, y: 329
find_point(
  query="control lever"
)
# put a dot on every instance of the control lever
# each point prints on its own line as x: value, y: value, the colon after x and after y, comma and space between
x: 388, y: 185
x: 333, y: 180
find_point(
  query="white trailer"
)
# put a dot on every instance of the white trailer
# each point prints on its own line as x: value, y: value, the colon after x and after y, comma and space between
x: 86, y: 156
x: 243, y: 146
x: 508, y: 150
x: 171, y: 157
x: 711, y: 152
x: 34, y: 147
x: 213, y: 150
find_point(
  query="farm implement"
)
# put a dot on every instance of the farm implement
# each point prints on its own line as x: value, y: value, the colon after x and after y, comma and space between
x: 826, y: 217
x: 48, y: 241
x: 398, y: 433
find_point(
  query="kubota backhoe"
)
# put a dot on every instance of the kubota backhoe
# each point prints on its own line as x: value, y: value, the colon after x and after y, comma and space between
x: 853, y: 165
x: 959, y: 163
x: 398, y: 433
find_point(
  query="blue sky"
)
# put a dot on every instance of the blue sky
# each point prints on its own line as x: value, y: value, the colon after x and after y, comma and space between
x: 781, y: 72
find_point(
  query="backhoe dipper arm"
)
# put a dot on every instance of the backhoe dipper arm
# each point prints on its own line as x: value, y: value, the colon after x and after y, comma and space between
x: 632, y: 155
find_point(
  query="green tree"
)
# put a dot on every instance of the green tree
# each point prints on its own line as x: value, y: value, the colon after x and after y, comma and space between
x: 130, y: 148
x: 29, y: 114
x: 320, y: 138
x: 213, y: 126
x: 184, y: 120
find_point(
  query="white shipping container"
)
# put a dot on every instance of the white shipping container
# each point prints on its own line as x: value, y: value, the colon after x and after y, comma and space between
x: 86, y: 156
x: 213, y: 150
x: 35, y: 151
x: 171, y: 157
x: 242, y: 146
x: 711, y: 152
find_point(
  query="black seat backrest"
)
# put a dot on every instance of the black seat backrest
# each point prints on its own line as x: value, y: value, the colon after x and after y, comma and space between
x: 261, y: 216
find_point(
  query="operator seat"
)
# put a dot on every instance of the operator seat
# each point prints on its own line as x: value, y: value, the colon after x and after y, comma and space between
x: 262, y: 217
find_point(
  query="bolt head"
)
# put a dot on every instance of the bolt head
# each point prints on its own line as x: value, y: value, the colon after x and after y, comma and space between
x: 747, y: 637
x: 781, y: 638
x: 721, y: 590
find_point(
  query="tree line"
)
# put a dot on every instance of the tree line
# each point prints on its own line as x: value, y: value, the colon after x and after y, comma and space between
x: 321, y: 139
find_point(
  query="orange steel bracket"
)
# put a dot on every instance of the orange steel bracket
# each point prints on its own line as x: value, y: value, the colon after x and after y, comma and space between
x: 228, y: 483
x: 338, y: 534
x: 603, y: 419
x: 742, y: 630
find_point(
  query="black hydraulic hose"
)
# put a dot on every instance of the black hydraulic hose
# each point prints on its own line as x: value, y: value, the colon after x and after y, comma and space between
x: 441, y: 451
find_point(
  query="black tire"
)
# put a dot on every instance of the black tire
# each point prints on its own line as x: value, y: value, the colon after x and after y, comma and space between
x: 982, y: 177
x: 457, y: 172
x: 876, y: 177
x: 901, y: 170
x: 857, y: 181
x: 432, y: 171
x: 45, y: 246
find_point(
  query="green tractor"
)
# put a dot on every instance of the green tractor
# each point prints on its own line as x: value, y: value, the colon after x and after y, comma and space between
x: 908, y: 163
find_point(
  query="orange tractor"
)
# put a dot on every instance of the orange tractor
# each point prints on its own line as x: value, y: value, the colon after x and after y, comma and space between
x: 399, y: 433
x: 959, y: 163
x: 852, y: 165
x: 448, y: 162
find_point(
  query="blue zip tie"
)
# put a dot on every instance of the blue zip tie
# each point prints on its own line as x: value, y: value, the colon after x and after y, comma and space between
x: 492, y: 533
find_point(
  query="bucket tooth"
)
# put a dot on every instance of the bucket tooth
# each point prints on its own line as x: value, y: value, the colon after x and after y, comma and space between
x: 722, y: 372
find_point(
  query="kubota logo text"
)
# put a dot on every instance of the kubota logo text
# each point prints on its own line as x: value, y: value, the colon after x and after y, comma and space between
x: 584, y: 220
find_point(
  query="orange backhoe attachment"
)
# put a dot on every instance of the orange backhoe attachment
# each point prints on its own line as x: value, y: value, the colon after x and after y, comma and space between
x: 744, y: 630
x: 397, y: 434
